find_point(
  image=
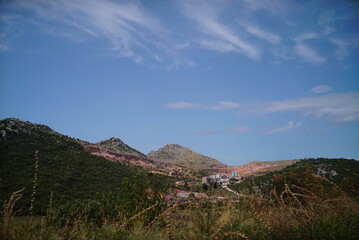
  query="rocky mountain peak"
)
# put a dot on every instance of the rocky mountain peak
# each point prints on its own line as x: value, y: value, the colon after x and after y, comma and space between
x: 15, y: 125
x: 179, y: 155
x: 112, y: 142
x: 117, y: 145
x: 173, y: 146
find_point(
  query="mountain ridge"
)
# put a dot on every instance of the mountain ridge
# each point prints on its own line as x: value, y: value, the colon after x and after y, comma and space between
x: 166, y: 160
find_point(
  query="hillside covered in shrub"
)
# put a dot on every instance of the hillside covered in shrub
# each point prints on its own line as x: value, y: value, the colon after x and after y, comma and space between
x: 59, y: 168
x: 320, y: 175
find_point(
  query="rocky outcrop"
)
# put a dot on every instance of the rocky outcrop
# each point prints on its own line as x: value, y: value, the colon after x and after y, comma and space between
x: 117, y: 146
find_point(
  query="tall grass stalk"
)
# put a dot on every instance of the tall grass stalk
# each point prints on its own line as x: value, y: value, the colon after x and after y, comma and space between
x: 8, y: 211
x: 34, y: 183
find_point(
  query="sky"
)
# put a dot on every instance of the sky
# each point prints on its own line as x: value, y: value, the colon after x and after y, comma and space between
x: 236, y: 80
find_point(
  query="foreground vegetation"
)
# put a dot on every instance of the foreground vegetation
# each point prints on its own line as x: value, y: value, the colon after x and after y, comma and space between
x: 296, y: 213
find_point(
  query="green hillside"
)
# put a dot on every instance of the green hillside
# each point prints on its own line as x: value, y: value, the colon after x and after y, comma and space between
x: 322, y: 176
x: 64, y: 168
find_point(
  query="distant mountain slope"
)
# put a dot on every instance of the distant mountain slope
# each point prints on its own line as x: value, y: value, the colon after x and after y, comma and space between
x: 335, y: 170
x: 142, y: 161
x: 312, y: 174
x: 259, y: 167
x: 64, y: 167
x: 116, y: 150
x: 117, y: 146
x: 181, y: 156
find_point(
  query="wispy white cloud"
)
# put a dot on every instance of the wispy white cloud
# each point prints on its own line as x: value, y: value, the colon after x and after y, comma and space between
x: 208, y: 132
x: 342, y: 49
x: 326, y: 21
x: 308, y: 53
x: 136, y: 30
x: 237, y: 129
x: 182, y: 105
x: 224, y: 105
x: 216, y: 45
x: 4, y: 48
x: 339, y: 107
x: 289, y: 126
x: 129, y: 27
x: 269, y: 37
x: 240, y: 129
x: 220, y: 37
x: 282, y: 52
x: 6, y: 25
x: 305, y: 51
x: 278, y: 7
x: 321, y: 89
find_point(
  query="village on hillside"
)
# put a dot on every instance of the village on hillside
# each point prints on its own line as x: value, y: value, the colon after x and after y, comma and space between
x: 197, y: 190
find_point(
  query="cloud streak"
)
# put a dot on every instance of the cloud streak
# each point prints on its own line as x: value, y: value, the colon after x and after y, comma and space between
x: 339, y: 107
x: 129, y: 28
x: 289, y: 126
x: 182, y: 105
x: 237, y: 129
x: 342, y: 52
x: 224, y: 105
x: 305, y: 51
x: 269, y: 37
x: 220, y: 37
x: 140, y: 32
x: 321, y: 89
x: 240, y: 129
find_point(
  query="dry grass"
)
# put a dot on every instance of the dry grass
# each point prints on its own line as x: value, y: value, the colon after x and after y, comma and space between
x: 8, y: 211
x: 34, y: 183
x: 296, y: 213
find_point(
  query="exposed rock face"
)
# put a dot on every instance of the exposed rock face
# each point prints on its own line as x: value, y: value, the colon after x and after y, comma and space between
x: 117, y: 146
x: 181, y: 156
x: 142, y: 161
x: 254, y: 168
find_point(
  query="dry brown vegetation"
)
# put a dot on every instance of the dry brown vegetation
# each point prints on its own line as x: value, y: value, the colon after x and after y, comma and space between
x: 299, y: 214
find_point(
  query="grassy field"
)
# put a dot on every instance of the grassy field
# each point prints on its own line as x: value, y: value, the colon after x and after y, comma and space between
x: 293, y: 214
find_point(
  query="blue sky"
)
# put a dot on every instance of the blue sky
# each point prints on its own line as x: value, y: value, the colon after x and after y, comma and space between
x: 237, y: 80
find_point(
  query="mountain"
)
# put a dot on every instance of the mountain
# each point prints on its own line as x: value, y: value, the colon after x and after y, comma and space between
x: 318, y: 175
x: 132, y: 159
x: 184, y: 157
x: 117, y: 146
x: 116, y: 150
x: 62, y: 166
